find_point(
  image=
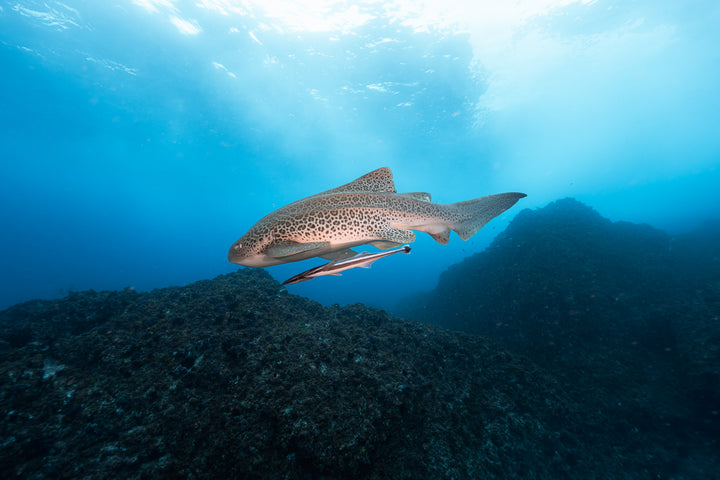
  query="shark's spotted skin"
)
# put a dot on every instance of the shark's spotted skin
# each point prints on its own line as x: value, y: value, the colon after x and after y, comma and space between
x: 365, y: 211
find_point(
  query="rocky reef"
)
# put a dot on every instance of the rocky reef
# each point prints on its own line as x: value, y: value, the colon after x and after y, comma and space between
x: 624, y: 316
x: 236, y: 378
x: 601, y: 362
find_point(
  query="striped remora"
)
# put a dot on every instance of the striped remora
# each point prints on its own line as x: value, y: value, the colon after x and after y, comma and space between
x: 362, y: 259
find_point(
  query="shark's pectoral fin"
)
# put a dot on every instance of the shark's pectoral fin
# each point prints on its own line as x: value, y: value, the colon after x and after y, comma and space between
x: 339, y: 254
x: 395, y: 236
x: 384, y: 244
x: 287, y: 248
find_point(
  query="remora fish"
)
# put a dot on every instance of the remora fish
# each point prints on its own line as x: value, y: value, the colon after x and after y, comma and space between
x: 365, y: 211
x: 362, y: 259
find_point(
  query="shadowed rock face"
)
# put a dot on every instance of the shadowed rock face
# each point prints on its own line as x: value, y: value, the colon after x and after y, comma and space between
x: 561, y: 263
x: 625, y: 316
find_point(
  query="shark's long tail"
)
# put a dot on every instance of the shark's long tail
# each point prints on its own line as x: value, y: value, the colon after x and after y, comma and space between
x: 471, y: 215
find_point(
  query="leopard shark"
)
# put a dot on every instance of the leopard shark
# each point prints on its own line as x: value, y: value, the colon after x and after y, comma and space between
x: 366, y: 211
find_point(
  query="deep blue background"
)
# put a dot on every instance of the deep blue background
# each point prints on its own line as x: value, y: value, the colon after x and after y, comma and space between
x: 135, y: 148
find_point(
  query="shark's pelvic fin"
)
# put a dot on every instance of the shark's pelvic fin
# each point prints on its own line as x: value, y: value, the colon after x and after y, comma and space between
x: 441, y: 236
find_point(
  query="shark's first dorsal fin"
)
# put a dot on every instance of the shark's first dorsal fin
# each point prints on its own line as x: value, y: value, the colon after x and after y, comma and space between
x: 377, y: 181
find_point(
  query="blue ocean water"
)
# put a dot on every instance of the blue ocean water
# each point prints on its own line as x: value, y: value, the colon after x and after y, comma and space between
x: 140, y: 138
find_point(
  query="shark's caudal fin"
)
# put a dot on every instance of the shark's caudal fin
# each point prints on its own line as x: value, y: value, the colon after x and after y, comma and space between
x: 472, y: 215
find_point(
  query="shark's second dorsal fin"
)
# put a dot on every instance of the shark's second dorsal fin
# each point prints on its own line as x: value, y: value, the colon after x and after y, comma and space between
x: 377, y: 181
x: 424, y: 196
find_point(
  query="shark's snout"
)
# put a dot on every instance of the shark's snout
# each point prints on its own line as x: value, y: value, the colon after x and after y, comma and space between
x: 235, y: 255
x: 247, y: 258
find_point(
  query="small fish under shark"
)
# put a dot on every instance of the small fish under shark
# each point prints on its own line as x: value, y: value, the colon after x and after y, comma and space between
x: 365, y: 211
x: 362, y: 259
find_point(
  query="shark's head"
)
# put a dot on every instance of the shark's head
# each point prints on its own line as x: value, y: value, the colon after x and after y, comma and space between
x: 250, y: 249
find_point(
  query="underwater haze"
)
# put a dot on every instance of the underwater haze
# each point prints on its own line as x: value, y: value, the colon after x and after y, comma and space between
x: 141, y: 138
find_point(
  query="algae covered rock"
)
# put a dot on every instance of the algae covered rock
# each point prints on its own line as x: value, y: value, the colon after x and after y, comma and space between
x: 236, y: 378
